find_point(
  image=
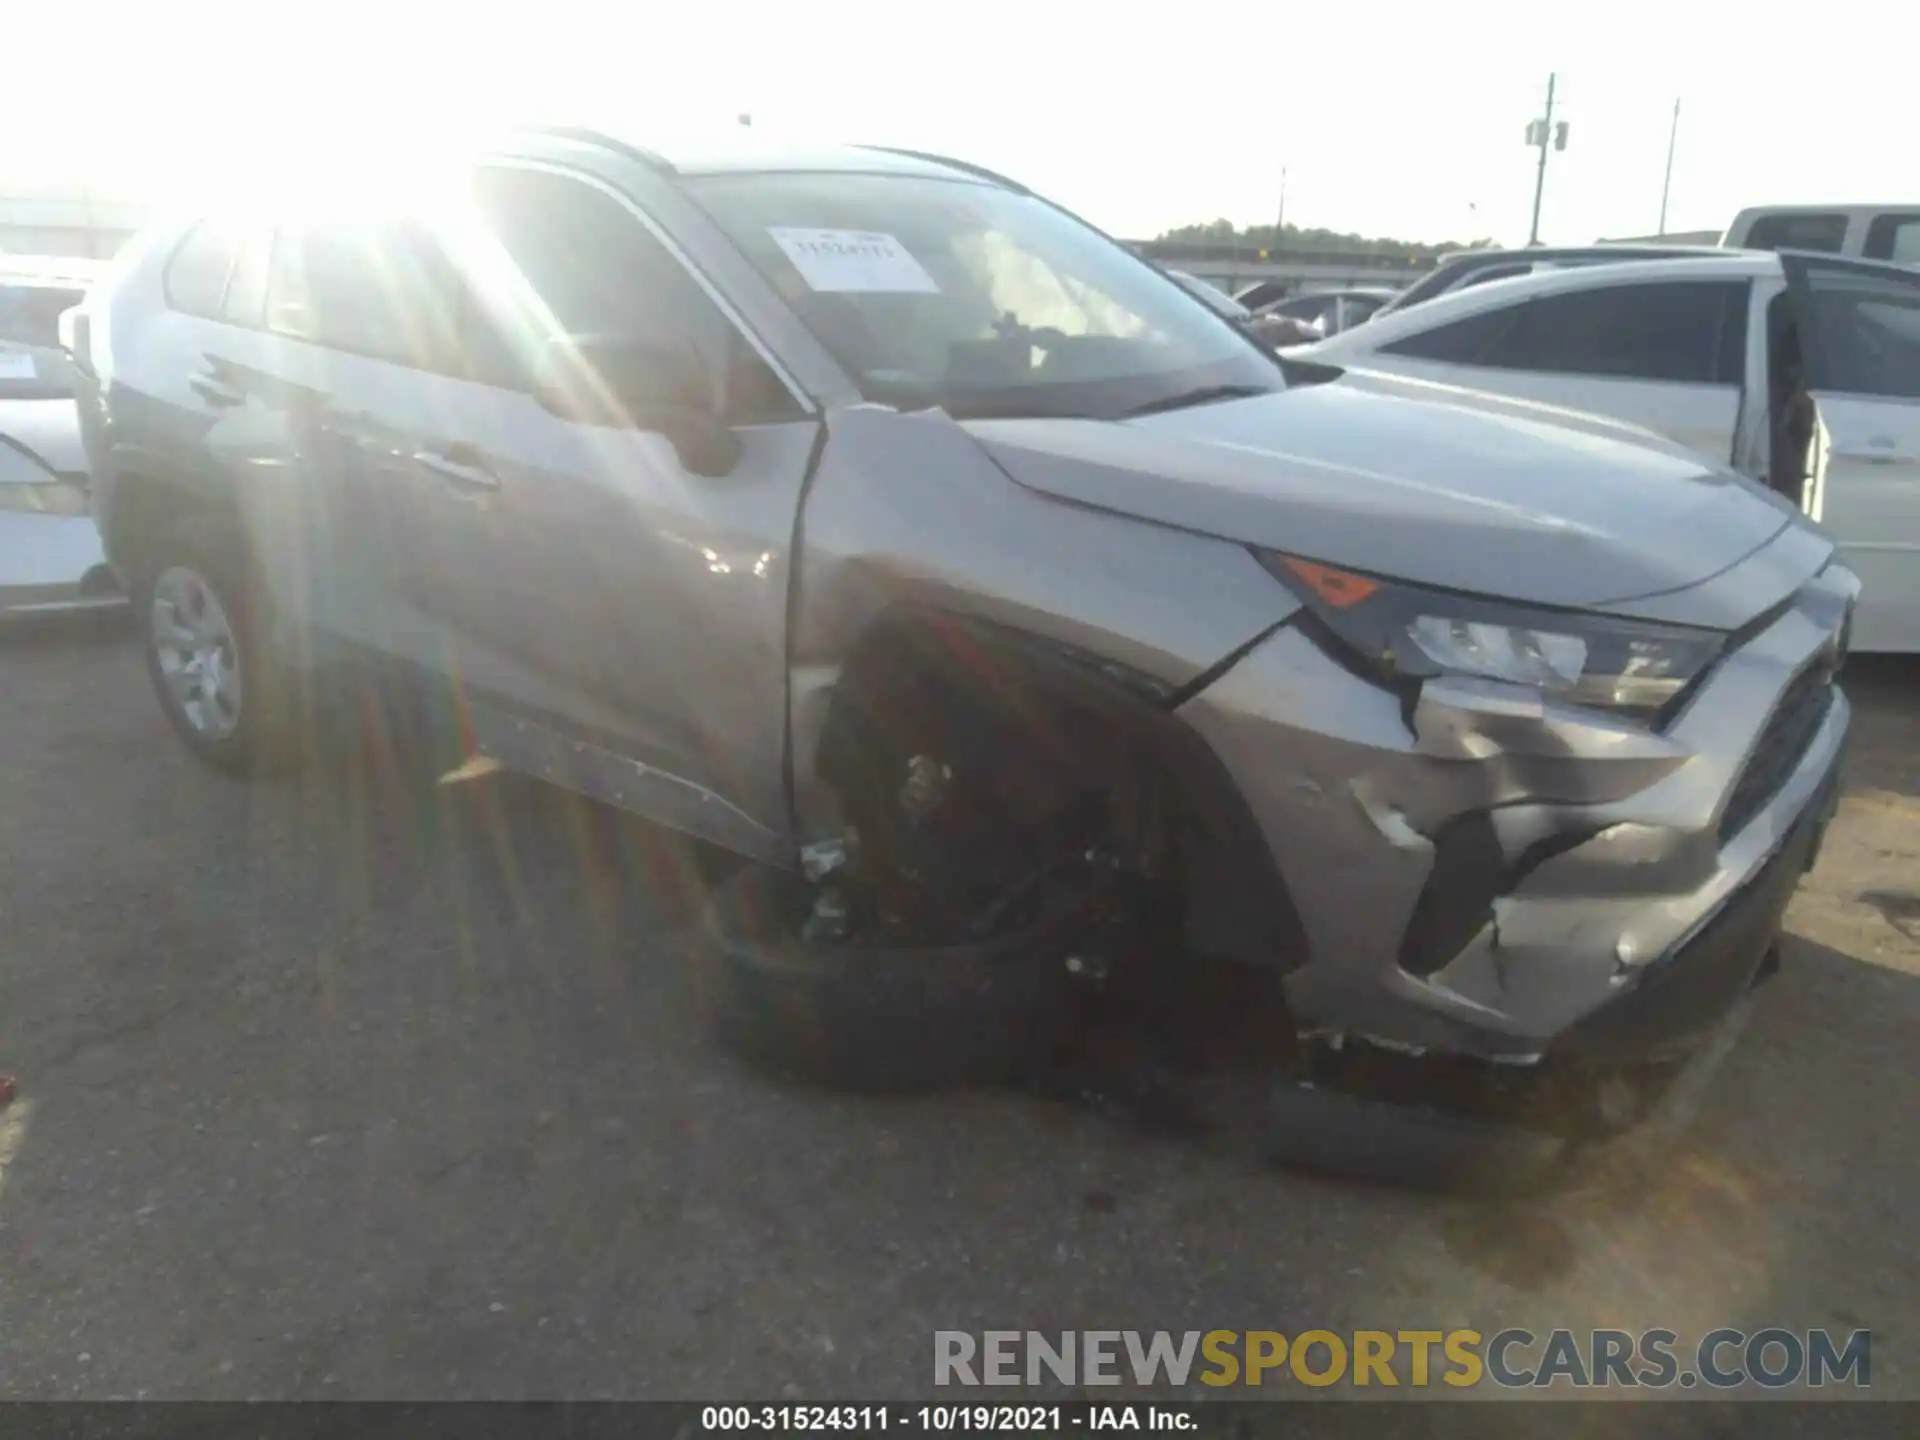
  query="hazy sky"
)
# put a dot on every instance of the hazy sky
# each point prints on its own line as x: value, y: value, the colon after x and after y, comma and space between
x: 1390, y: 118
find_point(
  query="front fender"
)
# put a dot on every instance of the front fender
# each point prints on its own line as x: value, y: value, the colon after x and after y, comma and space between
x: 909, y: 510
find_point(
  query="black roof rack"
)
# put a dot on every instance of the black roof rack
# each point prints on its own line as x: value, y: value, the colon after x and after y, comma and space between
x: 966, y: 167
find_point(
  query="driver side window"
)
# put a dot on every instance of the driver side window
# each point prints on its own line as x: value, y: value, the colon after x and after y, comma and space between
x: 577, y: 262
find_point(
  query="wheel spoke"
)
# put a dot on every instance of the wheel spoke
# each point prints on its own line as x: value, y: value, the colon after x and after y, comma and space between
x: 184, y: 684
x: 168, y: 626
x: 202, y: 612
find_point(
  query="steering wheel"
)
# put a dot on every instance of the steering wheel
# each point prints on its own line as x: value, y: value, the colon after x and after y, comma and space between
x: 1011, y: 328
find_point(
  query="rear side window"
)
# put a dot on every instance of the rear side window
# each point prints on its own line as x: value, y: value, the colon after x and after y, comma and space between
x: 1826, y: 233
x: 385, y: 291
x: 1686, y: 332
x: 195, y: 280
x: 1674, y: 332
x: 1461, y: 343
x: 1894, y: 237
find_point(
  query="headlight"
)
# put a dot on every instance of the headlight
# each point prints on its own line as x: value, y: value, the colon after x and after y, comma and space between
x: 1402, y: 631
x: 56, y: 497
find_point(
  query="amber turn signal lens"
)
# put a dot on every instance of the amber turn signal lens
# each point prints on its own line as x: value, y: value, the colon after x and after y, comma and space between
x: 1336, y: 588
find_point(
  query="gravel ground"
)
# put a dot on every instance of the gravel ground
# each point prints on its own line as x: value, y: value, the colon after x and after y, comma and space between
x: 352, y: 1086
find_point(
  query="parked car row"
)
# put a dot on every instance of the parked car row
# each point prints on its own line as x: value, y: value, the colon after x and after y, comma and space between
x: 1021, y: 619
x: 1463, y: 269
x: 1268, y: 328
x: 50, y: 553
x: 1329, y: 312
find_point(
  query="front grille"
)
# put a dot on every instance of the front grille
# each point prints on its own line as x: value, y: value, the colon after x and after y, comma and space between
x: 1790, y: 729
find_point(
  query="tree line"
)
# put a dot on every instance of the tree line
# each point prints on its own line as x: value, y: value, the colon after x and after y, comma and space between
x: 1297, y: 237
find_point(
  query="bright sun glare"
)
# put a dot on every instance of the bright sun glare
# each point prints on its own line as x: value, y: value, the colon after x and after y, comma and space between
x: 1413, y: 130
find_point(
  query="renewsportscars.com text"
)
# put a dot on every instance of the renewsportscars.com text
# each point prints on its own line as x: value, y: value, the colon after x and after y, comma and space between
x: 1721, y: 1359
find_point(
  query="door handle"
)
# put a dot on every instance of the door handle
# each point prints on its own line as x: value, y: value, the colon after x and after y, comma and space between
x: 460, y: 467
x: 215, y: 391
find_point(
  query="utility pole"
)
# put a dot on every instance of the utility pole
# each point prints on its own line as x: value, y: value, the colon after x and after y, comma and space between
x: 1666, y: 185
x: 1541, y: 133
x: 1280, y: 225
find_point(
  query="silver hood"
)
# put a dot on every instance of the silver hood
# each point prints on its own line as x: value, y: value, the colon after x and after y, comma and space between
x: 1447, y: 488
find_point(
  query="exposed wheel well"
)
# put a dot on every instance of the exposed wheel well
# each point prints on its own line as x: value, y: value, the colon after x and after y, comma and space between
x: 143, y: 505
x: 1049, y: 727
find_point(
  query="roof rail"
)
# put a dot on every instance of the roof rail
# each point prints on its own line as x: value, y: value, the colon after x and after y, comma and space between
x: 966, y: 167
x: 587, y: 135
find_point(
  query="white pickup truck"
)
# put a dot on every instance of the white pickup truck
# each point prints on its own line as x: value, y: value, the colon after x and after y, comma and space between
x: 1873, y: 232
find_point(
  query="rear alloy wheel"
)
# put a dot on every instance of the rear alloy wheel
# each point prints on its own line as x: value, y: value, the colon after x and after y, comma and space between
x: 196, y: 652
x: 221, y: 677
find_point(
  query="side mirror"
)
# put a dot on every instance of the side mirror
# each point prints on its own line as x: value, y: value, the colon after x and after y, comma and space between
x: 620, y: 383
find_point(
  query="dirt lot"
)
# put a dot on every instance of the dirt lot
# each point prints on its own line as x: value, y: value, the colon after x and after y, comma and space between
x: 345, y: 1088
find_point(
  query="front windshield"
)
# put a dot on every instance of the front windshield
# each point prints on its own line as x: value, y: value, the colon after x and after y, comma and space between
x: 32, y: 365
x: 978, y: 299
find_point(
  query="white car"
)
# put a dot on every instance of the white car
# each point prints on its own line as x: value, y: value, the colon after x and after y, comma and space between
x: 1801, y: 371
x: 50, y: 553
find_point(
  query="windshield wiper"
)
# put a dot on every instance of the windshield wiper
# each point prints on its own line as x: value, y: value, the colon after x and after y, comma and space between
x: 1202, y: 395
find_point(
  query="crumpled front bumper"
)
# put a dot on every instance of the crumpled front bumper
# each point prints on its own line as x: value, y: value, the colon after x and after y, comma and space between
x: 1485, y: 874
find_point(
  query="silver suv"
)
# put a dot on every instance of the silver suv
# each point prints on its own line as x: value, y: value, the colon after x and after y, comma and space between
x: 876, y: 519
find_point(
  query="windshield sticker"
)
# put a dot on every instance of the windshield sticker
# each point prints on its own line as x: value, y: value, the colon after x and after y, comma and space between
x: 853, y: 261
x: 15, y: 366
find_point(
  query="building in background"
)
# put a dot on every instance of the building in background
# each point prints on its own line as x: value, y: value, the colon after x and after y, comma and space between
x: 74, y: 221
x: 1672, y: 237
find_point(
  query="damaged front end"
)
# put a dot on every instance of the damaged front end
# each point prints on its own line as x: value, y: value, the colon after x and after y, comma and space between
x: 1502, y: 891
x: 1457, y: 831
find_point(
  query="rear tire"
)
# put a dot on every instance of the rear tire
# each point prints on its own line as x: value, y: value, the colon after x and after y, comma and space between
x: 227, y: 685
